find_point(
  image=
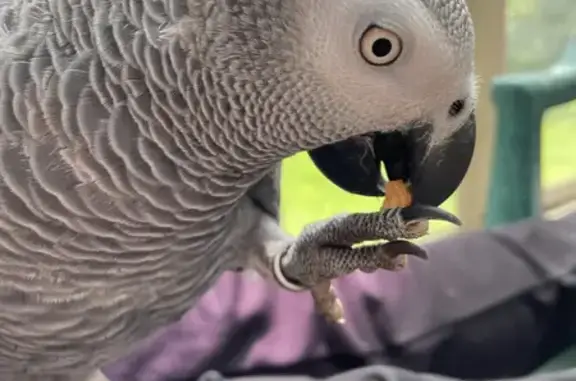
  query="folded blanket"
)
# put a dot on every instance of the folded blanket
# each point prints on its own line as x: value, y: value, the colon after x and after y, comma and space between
x: 384, y: 373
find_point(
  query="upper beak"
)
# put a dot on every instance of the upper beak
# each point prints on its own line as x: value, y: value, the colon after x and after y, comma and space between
x: 432, y: 174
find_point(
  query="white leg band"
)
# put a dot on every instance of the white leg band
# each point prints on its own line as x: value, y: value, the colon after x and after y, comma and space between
x: 280, y: 278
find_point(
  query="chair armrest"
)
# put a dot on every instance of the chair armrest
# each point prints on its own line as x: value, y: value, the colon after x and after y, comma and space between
x: 521, y: 100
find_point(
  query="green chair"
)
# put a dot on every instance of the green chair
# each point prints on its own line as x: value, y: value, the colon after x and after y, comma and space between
x: 514, y: 193
x: 521, y: 100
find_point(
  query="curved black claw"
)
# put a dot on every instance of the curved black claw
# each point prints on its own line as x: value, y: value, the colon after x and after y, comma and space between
x: 427, y: 212
x: 405, y: 247
x: 433, y: 174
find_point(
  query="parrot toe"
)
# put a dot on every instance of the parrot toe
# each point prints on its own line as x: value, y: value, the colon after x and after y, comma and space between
x: 401, y: 247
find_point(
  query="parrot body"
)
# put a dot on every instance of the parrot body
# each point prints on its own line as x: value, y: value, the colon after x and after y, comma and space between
x: 140, y: 144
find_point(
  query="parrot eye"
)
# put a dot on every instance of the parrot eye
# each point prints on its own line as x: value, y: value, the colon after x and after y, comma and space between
x: 380, y: 46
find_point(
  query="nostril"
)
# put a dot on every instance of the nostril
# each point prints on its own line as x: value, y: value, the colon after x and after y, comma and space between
x: 456, y: 107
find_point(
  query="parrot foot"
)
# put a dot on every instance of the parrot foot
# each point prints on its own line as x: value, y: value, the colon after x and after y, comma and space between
x: 327, y: 250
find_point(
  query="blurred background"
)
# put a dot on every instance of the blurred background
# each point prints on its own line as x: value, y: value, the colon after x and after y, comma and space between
x: 514, y: 37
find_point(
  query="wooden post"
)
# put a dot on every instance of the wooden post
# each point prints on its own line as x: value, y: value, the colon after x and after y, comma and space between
x: 490, y: 23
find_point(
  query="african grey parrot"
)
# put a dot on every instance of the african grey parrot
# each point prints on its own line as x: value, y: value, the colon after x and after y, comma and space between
x: 140, y: 146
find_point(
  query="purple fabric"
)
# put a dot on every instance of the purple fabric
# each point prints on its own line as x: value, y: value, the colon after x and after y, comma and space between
x: 253, y: 305
x: 245, y: 323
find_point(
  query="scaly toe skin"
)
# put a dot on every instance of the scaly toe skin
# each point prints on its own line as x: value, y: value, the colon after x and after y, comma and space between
x: 386, y: 262
x: 417, y: 229
x: 327, y: 302
x: 338, y: 312
x: 401, y: 262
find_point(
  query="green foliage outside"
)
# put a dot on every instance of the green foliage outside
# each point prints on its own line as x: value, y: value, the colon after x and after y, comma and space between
x: 537, y: 33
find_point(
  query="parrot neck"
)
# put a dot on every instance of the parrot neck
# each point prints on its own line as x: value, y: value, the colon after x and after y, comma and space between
x: 237, y: 125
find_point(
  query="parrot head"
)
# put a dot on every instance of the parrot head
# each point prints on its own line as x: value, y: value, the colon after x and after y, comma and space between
x: 356, y: 83
x: 407, y: 73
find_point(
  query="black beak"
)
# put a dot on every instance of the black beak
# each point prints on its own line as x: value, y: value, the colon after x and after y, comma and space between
x: 355, y: 164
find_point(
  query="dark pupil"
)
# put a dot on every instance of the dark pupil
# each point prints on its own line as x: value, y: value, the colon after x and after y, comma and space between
x: 381, y: 47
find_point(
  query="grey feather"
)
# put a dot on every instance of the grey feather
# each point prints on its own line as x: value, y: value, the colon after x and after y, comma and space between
x: 266, y: 193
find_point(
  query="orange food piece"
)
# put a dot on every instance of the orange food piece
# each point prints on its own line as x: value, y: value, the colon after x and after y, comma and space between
x: 397, y: 195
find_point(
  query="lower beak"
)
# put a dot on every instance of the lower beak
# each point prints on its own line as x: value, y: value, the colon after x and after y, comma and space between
x: 433, y: 174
